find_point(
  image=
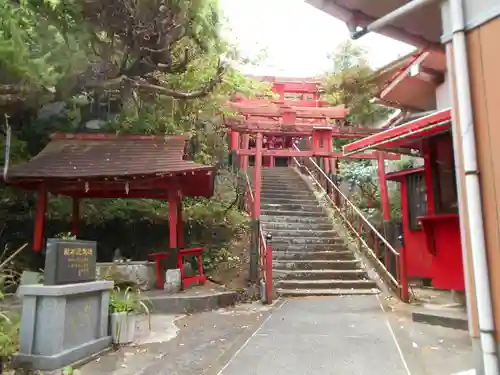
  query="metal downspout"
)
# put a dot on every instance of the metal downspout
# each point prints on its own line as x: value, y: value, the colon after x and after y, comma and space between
x: 473, y: 192
x: 455, y: 138
x: 391, y: 17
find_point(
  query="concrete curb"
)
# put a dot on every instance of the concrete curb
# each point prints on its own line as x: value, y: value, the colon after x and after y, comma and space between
x: 189, y: 304
x: 440, y: 318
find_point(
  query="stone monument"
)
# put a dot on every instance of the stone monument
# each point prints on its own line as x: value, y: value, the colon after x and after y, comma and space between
x: 65, y: 320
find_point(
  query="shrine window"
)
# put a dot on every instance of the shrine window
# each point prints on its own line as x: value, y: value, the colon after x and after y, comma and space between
x: 443, y: 175
x: 416, y: 194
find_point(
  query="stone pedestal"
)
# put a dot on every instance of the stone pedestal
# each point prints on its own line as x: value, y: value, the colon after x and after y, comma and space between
x: 140, y: 273
x: 63, y: 324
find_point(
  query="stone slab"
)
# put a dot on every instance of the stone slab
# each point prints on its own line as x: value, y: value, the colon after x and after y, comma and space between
x: 60, y: 360
x: 182, y: 304
x: 444, y: 317
x: 62, y: 324
x: 69, y: 261
x: 318, y: 336
x: 64, y: 290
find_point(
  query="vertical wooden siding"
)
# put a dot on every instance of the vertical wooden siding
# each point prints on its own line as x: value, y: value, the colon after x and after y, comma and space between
x: 484, y: 66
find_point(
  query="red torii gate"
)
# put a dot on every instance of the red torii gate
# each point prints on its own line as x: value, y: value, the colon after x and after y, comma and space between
x: 293, y: 119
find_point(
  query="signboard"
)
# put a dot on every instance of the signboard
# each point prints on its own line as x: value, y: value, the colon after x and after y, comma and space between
x: 70, y: 261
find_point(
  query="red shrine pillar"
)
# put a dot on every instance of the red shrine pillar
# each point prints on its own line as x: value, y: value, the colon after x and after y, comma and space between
x: 234, y: 140
x: 180, y: 224
x: 173, y: 209
x: 245, y: 141
x: 428, y: 178
x: 257, y: 175
x: 384, y: 195
x: 41, y: 207
x: 75, y: 218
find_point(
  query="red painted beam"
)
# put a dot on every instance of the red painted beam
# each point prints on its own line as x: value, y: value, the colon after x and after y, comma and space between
x: 404, y: 132
x: 296, y: 129
x: 290, y: 103
x: 293, y: 153
x: 274, y: 110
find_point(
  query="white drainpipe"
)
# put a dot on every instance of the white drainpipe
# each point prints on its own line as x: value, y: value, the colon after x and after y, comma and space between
x: 391, y: 17
x: 463, y: 237
x: 473, y: 192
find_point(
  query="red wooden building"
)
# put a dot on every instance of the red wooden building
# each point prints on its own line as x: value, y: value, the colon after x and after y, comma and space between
x: 84, y: 166
x: 431, y: 230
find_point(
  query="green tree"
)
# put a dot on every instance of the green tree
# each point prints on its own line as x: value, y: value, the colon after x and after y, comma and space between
x: 349, y: 82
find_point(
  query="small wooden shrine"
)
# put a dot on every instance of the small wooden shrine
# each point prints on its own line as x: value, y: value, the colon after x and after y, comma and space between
x: 109, y: 166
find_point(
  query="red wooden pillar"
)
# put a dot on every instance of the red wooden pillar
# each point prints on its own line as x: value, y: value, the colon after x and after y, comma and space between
x: 180, y: 225
x: 41, y: 207
x: 173, y: 203
x: 428, y: 177
x: 384, y: 195
x: 258, y: 174
x: 75, y: 218
x: 245, y: 140
x: 234, y: 140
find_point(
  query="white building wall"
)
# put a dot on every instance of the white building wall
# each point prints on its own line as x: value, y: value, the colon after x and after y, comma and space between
x: 443, y: 94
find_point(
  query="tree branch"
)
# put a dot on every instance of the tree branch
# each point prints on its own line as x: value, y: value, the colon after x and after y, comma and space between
x: 209, y: 87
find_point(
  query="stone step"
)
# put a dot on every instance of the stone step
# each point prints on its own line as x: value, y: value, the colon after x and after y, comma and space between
x: 326, y: 284
x: 280, y: 183
x: 287, y: 233
x: 305, y: 200
x: 294, y: 219
x: 307, y: 247
x: 319, y: 274
x: 290, y: 193
x: 292, y: 207
x: 280, y: 194
x: 283, y: 225
x: 278, y: 240
x: 277, y: 212
x: 317, y: 264
x: 313, y: 255
x: 324, y: 292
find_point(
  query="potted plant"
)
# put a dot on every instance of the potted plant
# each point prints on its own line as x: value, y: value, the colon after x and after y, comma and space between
x: 124, y: 307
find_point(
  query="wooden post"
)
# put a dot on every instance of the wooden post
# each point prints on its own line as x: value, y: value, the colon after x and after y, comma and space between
x: 172, y: 217
x: 41, y: 207
x: 173, y: 203
x: 75, y: 218
x: 245, y: 140
x: 180, y: 225
x: 431, y: 207
x: 326, y: 166
x: 257, y: 175
x: 234, y: 143
x: 384, y: 195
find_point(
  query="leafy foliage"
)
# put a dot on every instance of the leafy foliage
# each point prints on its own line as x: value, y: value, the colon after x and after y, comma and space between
x: 165, y: 65
x: 349, y: 82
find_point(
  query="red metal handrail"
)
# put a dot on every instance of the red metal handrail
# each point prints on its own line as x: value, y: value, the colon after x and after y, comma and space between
x: 265, y: 250
x: 369, y: 238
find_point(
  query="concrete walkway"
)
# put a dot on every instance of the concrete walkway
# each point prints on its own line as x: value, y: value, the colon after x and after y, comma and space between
x: 317, y: 336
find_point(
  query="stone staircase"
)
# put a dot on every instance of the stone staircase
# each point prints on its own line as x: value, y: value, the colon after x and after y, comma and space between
x: 309, y: 258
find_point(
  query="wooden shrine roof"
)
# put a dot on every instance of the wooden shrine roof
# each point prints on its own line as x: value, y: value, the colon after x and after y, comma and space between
x: 104, y: 155
x: 400, y: 87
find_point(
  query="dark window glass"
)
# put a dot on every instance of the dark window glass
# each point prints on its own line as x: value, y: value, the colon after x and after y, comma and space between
x: 417, y: 199
x: 443, y: 175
